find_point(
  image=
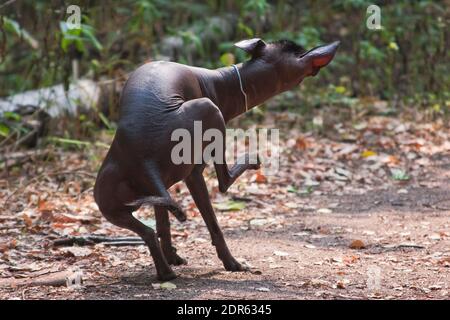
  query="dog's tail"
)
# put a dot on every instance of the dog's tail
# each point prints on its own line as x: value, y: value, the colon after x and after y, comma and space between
x: 166, y: 202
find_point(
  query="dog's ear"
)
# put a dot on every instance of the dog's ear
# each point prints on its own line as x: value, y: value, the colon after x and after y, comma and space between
x: 252, y: 46
x: 321, y: 56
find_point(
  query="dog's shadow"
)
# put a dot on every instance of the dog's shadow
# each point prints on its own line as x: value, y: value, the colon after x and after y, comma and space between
x: 191, y: 283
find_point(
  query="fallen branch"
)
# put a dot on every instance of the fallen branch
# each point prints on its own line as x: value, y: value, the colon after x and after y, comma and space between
x: 402, y: 246
x: 245, y: 199
x: 91, y: 240
x: 436, y: 206
x: 56, y: 279
x: 124, y: 243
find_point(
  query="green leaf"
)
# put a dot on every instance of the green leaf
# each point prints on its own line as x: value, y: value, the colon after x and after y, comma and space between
x: 398, y: 174
x: 307, y: 190
x: 292, y: 189
x: 230, y: 206
x: 105, y: 120
x: 14, y: 27
x: 227, y: 59
x: 88, y: 31
x: 78, y: 37
x: 4, y: 130
x: 168, y: 285
x: 12, y: 116
x: 69, y: 141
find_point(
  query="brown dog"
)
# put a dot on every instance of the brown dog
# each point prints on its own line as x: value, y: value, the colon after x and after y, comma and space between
x: 160, y: 97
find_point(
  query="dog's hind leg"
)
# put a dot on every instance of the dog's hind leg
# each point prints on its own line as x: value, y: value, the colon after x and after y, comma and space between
x: 124, y: 219
x: 153, y: 183
x: 212, y: 117
x: 163, y: 231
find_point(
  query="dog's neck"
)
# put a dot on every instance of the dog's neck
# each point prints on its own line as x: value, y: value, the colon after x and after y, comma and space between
x: 259, y: 79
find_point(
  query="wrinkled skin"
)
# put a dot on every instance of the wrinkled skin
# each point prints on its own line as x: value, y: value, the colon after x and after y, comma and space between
x: 160, y: 97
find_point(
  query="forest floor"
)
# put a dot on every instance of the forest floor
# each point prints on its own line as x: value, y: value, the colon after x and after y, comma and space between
x: 360, y: 212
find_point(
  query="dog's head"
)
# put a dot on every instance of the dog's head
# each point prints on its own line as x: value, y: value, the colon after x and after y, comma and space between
x: 290, y: 60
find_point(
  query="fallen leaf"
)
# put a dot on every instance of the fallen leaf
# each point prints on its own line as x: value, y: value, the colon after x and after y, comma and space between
x: 301, y: 143
x: 291, y: 205
x: 230, y: 205
x: 260, y: 178
x: 45, y: 206
x: 435, y: 236
x: 258, y: 222
x: 280, y: 253
x: 71, y: 218
x: 368, y: 153
x: 156, y: 286
x: 350, y: 259
x: 444, y: 262
x: 357, y: 244
x: 168, y: 285
x: 400, y: 175
x: 342, y: 283
x: 27, y: 220
x: 77, y: 251
x: 343, y: 172
x: 301, y: 234
x: 317, y: 283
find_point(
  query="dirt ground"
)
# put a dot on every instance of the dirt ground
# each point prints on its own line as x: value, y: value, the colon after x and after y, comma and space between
x: 354, y: 233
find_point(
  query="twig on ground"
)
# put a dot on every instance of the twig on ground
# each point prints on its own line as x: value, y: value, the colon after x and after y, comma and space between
x: 434, y: 206
x: 90, y: 240
x: 245, y: 199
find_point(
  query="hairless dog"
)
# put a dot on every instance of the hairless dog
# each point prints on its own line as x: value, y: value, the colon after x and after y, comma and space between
x: 160, y: 97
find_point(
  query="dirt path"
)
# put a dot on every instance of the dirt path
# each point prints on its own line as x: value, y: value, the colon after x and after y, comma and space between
x: 302, y: 255
x: 346, y: 239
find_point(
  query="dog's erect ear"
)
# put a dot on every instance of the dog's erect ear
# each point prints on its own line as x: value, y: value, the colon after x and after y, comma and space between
x: 252, y: 46
x: 321, y: 56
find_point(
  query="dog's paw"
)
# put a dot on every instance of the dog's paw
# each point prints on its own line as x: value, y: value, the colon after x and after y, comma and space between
x: 233, y: 265
x: 167, y: 276
x: 178, y: 212
x: 175, y: 260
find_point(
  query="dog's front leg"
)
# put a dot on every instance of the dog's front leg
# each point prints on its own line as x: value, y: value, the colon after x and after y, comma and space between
x: 226, y: 176
x: 197, y: 187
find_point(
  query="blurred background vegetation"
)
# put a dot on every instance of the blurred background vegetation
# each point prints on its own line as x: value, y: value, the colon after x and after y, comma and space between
x: 405, y: 63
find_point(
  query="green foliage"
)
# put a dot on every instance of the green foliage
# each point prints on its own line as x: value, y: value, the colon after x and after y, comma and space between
x: 406, y: 60
x: 78, y: 37
x: 13, y: 27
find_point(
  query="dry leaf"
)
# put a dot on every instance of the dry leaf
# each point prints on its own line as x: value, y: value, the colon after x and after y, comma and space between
x: 357, y: 244
x: 280, y: 253
x: 77, y: 251
x: 260, y: 178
